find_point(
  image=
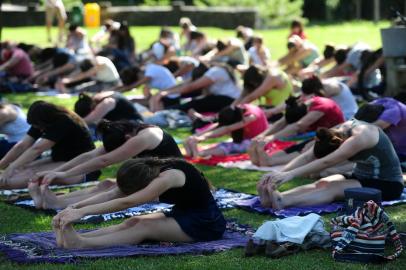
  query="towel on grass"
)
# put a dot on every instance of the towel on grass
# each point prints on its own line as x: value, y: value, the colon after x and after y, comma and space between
x: 254, y: 205
x: 247, y: 165
x: 225, y: 200
x: 270, y: 148
x: 41, y: 247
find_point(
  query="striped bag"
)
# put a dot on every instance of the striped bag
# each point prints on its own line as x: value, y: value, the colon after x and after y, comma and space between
x: 361, y: 236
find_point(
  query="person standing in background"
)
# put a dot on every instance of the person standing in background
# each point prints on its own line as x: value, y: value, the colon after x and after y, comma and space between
x: 55, y: 8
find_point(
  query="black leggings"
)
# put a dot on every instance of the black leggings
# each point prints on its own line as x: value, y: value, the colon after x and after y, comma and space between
x: 391, y: 190
x: 210, y: 103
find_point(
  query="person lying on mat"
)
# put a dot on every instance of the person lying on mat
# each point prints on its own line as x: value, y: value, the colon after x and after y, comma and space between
x: 302, y: 114
x: 220, y: 82
x: 194, y: 217
x: 390, y: 115
x: 53, y: 128
x: 243, y: 123
x: 107, y: 105
x: 376, y: 166
x: 121, y: 140
x: 272, y: 84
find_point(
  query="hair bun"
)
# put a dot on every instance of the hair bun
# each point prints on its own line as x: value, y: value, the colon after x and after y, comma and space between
x: 291, y: 101
x: 323, y: 134
x: 104, y: 125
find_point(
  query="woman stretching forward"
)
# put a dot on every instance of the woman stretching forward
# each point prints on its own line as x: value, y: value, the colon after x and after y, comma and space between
x: 194, y: 217
x: 376, y: 166
x: 52, y: 128
x: 121, y: 140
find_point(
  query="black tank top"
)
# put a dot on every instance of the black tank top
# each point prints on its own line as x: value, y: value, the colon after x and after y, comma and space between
x: 166, y: 148
x: 194, y: 194
x: 124, y: 109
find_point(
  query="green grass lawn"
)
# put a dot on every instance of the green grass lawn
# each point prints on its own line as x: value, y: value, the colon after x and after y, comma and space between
x: 14, y: 219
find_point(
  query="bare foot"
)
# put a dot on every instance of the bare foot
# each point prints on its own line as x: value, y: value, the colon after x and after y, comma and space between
x: 263, y: 158
x: 276, y: 199
x: 187, y: 148
x: 49, y: 199
x: 34, y: 190
x: 71, y: 238
x: 193, y: 148
x: 58, y: 234
x: 263, y: 195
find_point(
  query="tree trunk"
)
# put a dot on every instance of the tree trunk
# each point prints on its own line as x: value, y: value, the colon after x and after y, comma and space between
x: 358, y: 9
x: 377, y: 11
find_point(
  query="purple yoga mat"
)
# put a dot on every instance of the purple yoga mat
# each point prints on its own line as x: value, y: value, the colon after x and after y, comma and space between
x: 254, y: 205
x: 41, y: 247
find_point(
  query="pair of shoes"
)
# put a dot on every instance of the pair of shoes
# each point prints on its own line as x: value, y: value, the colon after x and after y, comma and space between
x: 252, y: 249
x: 317, y: 240
x: 281, y: 250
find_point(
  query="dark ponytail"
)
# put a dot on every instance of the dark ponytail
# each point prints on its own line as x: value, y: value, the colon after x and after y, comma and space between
x: 114, y: 133
x: 313, y: 86
x: 136, y: 174
x: 369, y: 112
x: 231, y: 115
x: 84, y: 105
x: 327, y: 141
x: 254, y: 76
x: 294, y: 110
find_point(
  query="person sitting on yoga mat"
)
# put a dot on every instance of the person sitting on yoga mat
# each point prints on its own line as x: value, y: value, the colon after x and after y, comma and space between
x: 301, y: 115
x: 195, y: 215
x: 376, y: 166
x: 221, y: 85
x: 272, y: 84
x: 121, y: 140
x: 52, y: 128
x: 99, y: 70
x: 13, y: 126
x: 334, y: 89
x: 107, y: 105
x: 152, y: 76
x: 301, y: 53
x: 243, y: 123
x: 390, y: 115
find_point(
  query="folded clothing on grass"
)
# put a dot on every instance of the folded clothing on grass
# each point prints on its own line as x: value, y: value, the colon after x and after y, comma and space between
x: 225, y: 200
x: 41, y: 247
x: 254, y: 205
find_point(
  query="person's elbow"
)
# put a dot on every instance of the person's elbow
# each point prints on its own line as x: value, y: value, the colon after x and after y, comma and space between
x: 39, y: 149
x: 103, y: 162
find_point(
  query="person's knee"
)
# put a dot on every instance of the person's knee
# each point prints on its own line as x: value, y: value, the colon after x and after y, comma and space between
x: 131, y: 222
x: 323, y: 183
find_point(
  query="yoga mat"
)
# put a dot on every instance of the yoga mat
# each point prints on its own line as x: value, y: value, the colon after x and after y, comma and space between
x: 247, y: 165
x: 225, y: 199
x: 254, y: 205
x: 214, y: 160
x: 41, y: 247
x: 11, y: 192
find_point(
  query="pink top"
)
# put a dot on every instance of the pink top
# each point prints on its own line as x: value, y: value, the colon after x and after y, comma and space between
x: 23, y: 68
x: 257, y: 126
